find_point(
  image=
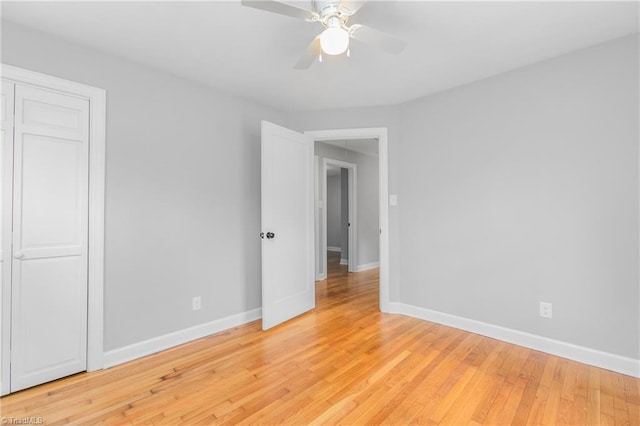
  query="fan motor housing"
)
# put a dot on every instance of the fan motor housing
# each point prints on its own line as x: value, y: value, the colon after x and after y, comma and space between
x: 326, y: 8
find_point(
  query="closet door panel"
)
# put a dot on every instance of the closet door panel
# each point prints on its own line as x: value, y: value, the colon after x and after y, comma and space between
x: 52, y: 214
x: 50, y: 211
x: 47, y: 293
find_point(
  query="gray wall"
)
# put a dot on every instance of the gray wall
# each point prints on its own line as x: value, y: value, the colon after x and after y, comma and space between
x: 367, y: 199
x: 524, y: 188
x: 334, y: 211
x: 182, y: 190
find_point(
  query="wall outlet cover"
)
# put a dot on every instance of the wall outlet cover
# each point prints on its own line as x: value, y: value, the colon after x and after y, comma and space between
x: 546, y: 310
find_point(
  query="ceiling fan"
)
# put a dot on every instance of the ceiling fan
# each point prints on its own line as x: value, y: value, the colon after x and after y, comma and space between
x: 334, y: 16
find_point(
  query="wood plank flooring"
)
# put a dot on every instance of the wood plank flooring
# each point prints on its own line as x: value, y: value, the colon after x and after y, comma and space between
x: 343, y: 363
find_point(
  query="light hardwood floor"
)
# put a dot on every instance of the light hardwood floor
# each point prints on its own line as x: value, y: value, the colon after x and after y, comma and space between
x: 343, y: 363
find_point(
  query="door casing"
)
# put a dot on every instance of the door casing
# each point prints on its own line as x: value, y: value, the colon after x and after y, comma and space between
x: 353, y: 212
x: 97, y: 138
x: 379, y: 133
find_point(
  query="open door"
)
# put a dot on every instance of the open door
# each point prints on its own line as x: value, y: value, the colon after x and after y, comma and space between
x: 287, y: 224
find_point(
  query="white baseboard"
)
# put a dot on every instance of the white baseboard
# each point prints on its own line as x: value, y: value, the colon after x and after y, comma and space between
x: 320, y: 277
x: 367, y: 266
x: 334, y: 248
x: 582, y: 354
x: 344, y: 261
x: 160, y: 343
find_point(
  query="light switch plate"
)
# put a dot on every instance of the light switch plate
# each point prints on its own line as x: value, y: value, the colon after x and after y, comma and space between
x: 393, y: 199
x: 196, y: 303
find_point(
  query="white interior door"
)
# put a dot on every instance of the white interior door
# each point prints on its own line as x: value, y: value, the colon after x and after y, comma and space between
x: 287, y: 224
x: 50, y: 219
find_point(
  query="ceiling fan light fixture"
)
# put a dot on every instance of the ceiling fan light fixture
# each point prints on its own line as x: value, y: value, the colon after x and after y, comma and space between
x: 334, y: 40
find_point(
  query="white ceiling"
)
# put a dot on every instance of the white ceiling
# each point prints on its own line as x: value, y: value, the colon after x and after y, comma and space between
x: 251, y: 53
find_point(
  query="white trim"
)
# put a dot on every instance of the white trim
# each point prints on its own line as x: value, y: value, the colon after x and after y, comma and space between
x: 582, y: 354
x: 352, y: 230
x: 367, y: 266
x: 344, y: 261
x: 161, y: 343
x: 317, y: 214
x: 330, y: 248
x: 97, y: 142
x: 380, y: 133
x: 7, y: 224
x: 321, y: 277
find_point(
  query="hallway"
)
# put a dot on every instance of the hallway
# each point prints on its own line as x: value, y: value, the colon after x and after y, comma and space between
x: 359, y: 288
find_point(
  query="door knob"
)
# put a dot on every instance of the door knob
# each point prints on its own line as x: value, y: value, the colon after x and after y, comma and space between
x: 18, y: 255
x: 270, y: 235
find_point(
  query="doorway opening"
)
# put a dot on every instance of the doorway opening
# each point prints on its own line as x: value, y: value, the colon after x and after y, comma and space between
x: 381, y: 135
x: 336, y: 211
x: 347, y: 214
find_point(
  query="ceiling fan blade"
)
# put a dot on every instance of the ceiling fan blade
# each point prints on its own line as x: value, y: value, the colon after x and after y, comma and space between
x: 309, y: 55
x: 378, y: 39
x: 280, y: 8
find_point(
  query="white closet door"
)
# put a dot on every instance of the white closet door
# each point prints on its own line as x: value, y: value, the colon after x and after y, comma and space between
x: 50, y: 211
x: 6, y: 173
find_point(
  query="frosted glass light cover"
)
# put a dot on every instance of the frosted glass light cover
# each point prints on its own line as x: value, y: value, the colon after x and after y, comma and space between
x: 334, y: 41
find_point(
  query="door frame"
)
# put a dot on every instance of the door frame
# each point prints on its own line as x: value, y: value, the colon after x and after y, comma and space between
x: 95, y: 262
x: 379, y: 133
x: 353, y: 212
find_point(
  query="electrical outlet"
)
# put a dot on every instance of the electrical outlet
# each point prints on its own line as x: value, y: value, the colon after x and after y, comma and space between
x: 546, y: 310
x: 196, y: 303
